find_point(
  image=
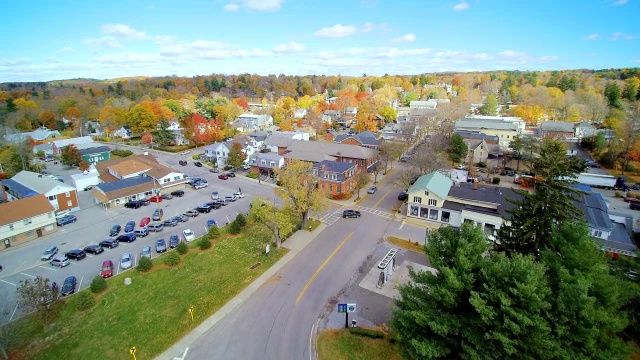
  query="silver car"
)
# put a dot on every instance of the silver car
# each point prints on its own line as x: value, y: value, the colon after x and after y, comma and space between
x: 49, y: 253
x: 60, y: 261
x: 126, y: 261
x: 146, y: 252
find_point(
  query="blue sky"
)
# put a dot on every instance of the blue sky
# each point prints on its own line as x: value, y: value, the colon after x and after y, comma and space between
x: 49, y: 40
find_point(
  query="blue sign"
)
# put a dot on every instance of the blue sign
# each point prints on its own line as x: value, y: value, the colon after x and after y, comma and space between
x: 342, y: 308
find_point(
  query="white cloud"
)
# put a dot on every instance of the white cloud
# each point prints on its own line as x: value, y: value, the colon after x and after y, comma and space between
x: 128, y: 58
x: 460, y: 7
x: 67, y: 49
x: 512, y: 54
x: 124, y: 31
x: 367, y: 27
x: 591, y: 37
x: 14, y: 62
x: 394, y: 52
x: 108, y: 42
x: 406, y: 38
x: 547, y: 58
x: 258, y: 5
x: 165, y: 39
x: 481, y: 56
x: 290, y: 47
x: 336, y: 31
x: 620, y: 2
x: 621, y: 36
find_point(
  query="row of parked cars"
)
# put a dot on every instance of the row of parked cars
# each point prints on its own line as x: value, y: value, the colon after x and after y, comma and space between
x: 136, y: 204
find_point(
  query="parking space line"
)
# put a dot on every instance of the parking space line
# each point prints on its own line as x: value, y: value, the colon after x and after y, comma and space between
x: 31, y: 276
x: 10, y: 283
x: 80, y: 284
x: 47, y: 268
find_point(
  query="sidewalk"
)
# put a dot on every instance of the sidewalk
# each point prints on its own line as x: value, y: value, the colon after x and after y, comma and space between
x: 295, y: 244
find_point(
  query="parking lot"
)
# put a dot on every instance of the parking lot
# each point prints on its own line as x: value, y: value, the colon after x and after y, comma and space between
x: 93, y: 225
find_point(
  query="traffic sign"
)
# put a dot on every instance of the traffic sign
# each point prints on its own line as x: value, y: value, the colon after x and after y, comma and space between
x: 351, y: 307
x: 342, y: 308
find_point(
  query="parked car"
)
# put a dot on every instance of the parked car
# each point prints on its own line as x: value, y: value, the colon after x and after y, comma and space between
x: 178, y: 193
x: 214, y: 170
x: 69, y: 286
x: 635, y: 186
x: 155, y: 227
x: 403, y: 196
x: 61, y: 261
x: 351, y: 214
x: 170, y: 222
x: 174, y: 241
x: 238, y: 195
x: 372, y: 190
x: 67, y: 219
x: 161, y: 246
x: 197, y: 163
x: 144, y: 202
x: 157, y: 215
x: 215, y: 195
x: 183, y: 162
x: 193, y: 180
x: 146, y: 252
x: 223, y: 176
x: 204, y: 208
x: 126, y: 261
x: 246, y: 166
x: 115, y: 230
x: 230, y: 198
x: 630, y: 199
x: 109, y: 243
x: 129, y: 226
x: 634, y: 206
x: 107, y: 269
x: 127, y: 237
x: 145, y: 221
x: 215, y: 204
x: 49, y: 253
x: 141, y: 232
x: 133, y: 204
x: 188, y: 235
x: 231, y: 174
x: 200, y: 185
x: 211, y: 223
x: 76, y: 254
x: 155, y: 199
x: 93, y: 249
x: 192, y: 213
x: 167, y: 196
x: 221, y: 202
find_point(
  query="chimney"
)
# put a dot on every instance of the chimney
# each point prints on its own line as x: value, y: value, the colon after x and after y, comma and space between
x: 475, y: 185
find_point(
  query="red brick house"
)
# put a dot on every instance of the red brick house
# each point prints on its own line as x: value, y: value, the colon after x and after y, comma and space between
x: 337, y: 179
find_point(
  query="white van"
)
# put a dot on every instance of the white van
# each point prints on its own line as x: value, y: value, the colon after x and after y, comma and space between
x: 155, y: 227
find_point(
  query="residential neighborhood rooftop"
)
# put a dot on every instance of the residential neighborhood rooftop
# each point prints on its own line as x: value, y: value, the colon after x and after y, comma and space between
x: 38, y: 182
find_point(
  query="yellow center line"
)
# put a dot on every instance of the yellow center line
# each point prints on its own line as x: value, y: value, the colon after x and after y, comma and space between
x: 383, y: 196
x: 304, y: 289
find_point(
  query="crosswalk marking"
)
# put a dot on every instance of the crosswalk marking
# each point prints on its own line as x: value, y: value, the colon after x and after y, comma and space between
x: 331, y: 218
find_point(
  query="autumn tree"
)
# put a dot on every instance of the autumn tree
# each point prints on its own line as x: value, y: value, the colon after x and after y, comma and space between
x: 83, y: 166
x: 458, y: 149
x: 628, y: 133
x: 388, y: 113
x: 47, y: 119
x: 141, y: 119
x: 390, y: 151
x: 147, y: 138
x: 236, y: 156
x: 70, y: 155
x: 40, y: 296
x: 613, y: 95
x: 299, y: 190
x: 362, y: 179
x: 281, y: 222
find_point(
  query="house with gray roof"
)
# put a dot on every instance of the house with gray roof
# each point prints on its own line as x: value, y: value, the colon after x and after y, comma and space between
x: 265, y: 163
x: 255, y: 121
x: 364, y: 138
x: 40, y: 134
x: 25, y: 184
x: 315, y: 151
x: 561, y: 130
x: 58, y: 145
x: 337, y: 179
x: 505, y: 129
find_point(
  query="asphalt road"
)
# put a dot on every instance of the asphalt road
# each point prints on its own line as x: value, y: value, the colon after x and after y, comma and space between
x: 23, y: 262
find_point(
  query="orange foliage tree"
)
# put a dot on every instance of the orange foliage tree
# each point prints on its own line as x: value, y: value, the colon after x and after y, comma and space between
x: 242, y: 102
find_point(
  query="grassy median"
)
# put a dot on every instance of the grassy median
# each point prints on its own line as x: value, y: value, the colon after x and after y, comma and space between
x: 152, y: 313
x: 343, y: 345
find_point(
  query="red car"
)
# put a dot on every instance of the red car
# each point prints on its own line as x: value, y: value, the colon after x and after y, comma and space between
x: 107, y: 269
x: 156, y: 199
x: 223, y: 176
x: 145, y: 221
x: 630, y: 200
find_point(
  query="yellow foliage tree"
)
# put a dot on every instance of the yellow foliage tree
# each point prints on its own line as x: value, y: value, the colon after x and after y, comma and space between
x: 25, y: 104
x: 286, y: 125
x: 305, y: 102
x: 532, y: 114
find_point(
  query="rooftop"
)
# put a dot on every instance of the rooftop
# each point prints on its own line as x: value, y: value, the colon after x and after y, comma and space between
x: 334, y: 166
x: 24, y: 208
x: 332, y: 149
x: 39, y: 183
x: 435, y: 182
x: 125, y: 183
x: 73, y: 141
x: 103, y: 166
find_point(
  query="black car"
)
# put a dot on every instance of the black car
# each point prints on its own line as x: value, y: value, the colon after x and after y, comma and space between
x: 403, y: 196
x: 109, y: 243
x: 93, y: 249
x: 76, y: 254
x: 171, y: 222
x: 183, y: 162
x: 197, y: 163
x: 115, y: 230
x: 129, y: 226
x: 193, y: 180
x: 178, y: 193
x: 231, y: 174
x: 204, y: 208
x: 128, y: 237
x: 174, y: 241
x: 351, y: 214
x: 133, y: 205
x: 634, y: 206
x: 215, y: 205
x: 69, y: 286
x: 67, y: 219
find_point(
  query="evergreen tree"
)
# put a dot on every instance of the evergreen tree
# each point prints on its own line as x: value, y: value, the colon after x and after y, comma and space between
x: 457, y: 148
x: 489, y: 106
x: 612, y: 93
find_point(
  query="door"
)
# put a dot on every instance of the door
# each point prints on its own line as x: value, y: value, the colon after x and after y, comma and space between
x: 39, y: 232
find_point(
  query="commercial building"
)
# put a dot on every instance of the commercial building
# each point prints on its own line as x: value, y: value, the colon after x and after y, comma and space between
x: 26, y: 219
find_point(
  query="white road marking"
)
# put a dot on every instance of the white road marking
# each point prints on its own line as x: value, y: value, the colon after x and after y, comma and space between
x: 5, y: 281
x: 401, y: 225
x: 31, y: 276
x: 44, y: 267
x: 184, y: 355
x: 13, y: 313
x: 80, y: 284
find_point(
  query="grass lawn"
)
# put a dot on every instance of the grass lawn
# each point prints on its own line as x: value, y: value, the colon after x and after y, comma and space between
x: 342, y: 345
x: 406, y: 244
x: 151, y: 313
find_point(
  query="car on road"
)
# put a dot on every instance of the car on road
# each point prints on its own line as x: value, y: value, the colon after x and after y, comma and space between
x: 129, y: 226
x: 76, y: 254
x: 155, y: 199
x: 146, y: 252
x: 128, y: 237
x: 126, y: 261
x: 403, y: 196
x: 161, y: 246
x: 211, y: 223
x: 592, y: 164
x: 630, y: 199
x: 214, y: 170
x: 200, y: 185
x: 107, y: 269
x: 170, y: 222
x: 145, y: 221
x: 93, y: 249
x: 109, y: 243
x: 167, y: 196
x: 49, y: 253
x: 157, y: 214
x: 178, y: 193
x: 372, y: 190
x: 230, y: 198
x: 204, y: 208
x: 188, y: 235
x: 67, y: 219
x: 351, y: 214
x: 182, y: 218
x: 223, y: 176
x: 231, y: 174
x: 174, y: 241
x: 185, y: 152
x: 193, y: 180
x: 634, y: 206
x: 197, y: 163
x: 133, y: 204
x: 192, y: 213
x: 115, y: 230
x: 238, y: 194
x: 61, y: 261
x: 183, y: 162
x: 69, y: 286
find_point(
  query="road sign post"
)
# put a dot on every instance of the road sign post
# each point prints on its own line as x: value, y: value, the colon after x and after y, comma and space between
x: 346, y: 309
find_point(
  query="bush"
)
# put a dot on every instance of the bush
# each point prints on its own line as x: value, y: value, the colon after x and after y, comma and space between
x: 242, y: 221
x: 204, y: 243
x: 252, y: 176
x: 234, y: 227
x: 145, y: 264
x: 228, y: 167
x: 618, y: 193
x: 182, y: 248
x: 214, y: 232
x: 375, y: 334
x: 496, y: 180
x: 172, y: 259
x: 84, y: 301
x: 98, y: 285
x: 630, y: 168
x: 122, y: 153
x: 195, y: 157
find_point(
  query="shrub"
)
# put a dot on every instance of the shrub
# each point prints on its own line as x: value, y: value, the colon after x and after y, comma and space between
x: 496, y: 180
x: 618, y: 193
x: 252, y: 176
x: 242, y: 221
x: 630, y: 193
x: 182, y: 248
x: 204, y: 243
x: 98, y: 285
x: 84, y: 300
x: 637, y: 196
x: 375, y: 334
x: 145, y: 264
x: 228, y: 167
x: 234, y: 227
x: 172, y: 259
x: 630, y: 168
x: 195, y: 157
x: 214, y: 232
x: 122, y: 153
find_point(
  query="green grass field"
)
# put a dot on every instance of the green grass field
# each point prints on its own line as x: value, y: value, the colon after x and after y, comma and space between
x: 342, y: 345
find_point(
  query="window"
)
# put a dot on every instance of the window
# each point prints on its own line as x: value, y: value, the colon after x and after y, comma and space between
x: 217, y: 152
x: 330, y: 187
x: 69, y: 203
x: 433, y: 214
x: 272, y: 163
x: 338, y: 189
x: 10, y: 226
x: 50, y: 215
x: 489, y: 229
x: 361, y: 162
x: 176, y: 178
x: 426, y: 193
x: 166, y: 180
x: 334, y: 176
x: 597, y: 233
x: 27, y: 221
x: 468, y: 221
x: 263, y: 162
x: 53, y: 197
x: 433, y: 202
x: 67, y: 194
x: 446, y: 216
x: 424, y: 212
x: 417, y: 199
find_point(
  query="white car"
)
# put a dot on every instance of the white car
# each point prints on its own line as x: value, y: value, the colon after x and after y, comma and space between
x: 126, y: 261
x: 238, y: 194
x: 188, y: 235
x: 185, y: 152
